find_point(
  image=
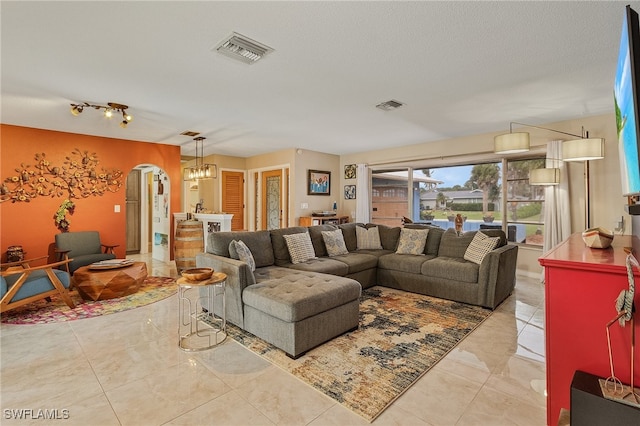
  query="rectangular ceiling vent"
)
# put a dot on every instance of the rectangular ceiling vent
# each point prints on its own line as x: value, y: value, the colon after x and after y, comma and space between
x: 190, y: 133
x: 242, y: 48
x: 389, y: 105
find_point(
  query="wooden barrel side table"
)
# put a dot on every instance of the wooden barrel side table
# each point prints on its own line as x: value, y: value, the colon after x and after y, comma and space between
x: 198, y: 329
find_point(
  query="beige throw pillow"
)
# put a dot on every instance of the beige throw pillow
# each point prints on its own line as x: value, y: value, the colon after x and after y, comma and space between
x: 480, y: 246
x: 412, y: 241
x: 300, y: 247
x: 368, y: 239
x: 334, y: 241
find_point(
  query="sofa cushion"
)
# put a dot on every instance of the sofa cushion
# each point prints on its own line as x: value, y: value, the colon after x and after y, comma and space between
x: 389, y: 236
x: 368, y: 238
x: 454, y: 245
x: 324, y: 265
x: 300, y: 247
x: 451, y: 268
x: 349, y: 233
x: 334, y: 242
x: 244, y: 254
x: 299, y: 295
x: 358, y: 261
x: 315, y: 232
x: 259, y: 242
x: 280, y: 249
x: 403, y: 262
x: 480, y: 246
x: 412, y: 241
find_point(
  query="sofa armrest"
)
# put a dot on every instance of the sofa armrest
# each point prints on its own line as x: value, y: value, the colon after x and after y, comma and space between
x: 239, y: 277
x: 497, y: 275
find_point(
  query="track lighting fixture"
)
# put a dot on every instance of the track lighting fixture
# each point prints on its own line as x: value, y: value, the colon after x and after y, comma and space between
x: 109, y: 109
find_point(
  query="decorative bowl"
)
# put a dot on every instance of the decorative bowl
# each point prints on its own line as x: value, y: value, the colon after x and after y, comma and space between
x: 597, y: 238
x: 197, y: 274
x: 323, y: 213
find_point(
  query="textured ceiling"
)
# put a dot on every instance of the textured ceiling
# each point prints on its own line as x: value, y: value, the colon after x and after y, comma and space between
x: 461, y: 68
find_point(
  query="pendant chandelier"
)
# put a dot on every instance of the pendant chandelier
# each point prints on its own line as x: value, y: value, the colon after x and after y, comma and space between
x: 200, y: 170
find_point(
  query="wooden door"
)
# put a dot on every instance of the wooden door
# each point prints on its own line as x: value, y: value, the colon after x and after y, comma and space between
x: 272, y: 201
x: 133, y: 191
x: 233, y: 198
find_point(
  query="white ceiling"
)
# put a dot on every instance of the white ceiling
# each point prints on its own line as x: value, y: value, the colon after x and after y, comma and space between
x: 461, y: 68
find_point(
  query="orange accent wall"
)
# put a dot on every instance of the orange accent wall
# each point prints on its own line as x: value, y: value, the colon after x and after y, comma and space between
x: 31, y: 224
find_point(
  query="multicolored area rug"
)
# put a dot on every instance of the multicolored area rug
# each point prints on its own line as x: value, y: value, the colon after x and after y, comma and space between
x: 400, y: 337
x: 41, y: 312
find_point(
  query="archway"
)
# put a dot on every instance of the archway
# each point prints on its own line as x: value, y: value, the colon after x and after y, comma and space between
x: 148, y: 207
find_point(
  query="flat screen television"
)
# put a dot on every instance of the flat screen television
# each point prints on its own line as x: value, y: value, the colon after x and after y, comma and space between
x: 626, y: 103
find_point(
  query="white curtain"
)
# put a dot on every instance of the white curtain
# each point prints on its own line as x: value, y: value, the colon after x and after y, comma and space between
x: 363, y: 194
x: 557, y: 210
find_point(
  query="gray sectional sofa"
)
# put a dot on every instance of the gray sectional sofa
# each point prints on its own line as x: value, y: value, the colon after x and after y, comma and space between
x: 297, y: 306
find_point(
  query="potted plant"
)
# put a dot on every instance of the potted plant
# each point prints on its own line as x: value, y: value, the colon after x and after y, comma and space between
x: 428, y: 215
x: 488, y: 217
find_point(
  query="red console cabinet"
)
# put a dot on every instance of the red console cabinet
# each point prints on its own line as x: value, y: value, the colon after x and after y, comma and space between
x: 581, y: 287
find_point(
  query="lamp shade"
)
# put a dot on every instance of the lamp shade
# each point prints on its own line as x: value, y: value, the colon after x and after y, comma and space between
x: 550, y: 176
x: 510, y: 143
x: 583, y: 149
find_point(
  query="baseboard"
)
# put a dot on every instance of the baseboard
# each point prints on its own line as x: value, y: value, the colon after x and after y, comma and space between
x: 529, y: 274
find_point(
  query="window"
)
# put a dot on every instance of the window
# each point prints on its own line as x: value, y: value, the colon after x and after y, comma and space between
x: 525, y: 203
x: 473, y: 190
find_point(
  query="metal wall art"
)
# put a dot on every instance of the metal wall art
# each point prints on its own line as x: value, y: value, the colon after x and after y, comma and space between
x: 77, y: 177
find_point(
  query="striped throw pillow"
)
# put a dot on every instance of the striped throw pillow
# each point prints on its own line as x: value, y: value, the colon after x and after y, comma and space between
x: 334, y: 241
x: 368, y: 239
x: 300, y: 247
x: 480, y: 246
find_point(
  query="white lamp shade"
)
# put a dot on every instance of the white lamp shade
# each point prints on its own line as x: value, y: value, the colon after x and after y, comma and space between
x: 550, y: 176
x: 510, y: 143
x: 583, y: 149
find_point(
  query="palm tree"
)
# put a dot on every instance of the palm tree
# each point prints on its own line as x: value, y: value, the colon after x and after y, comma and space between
x: 486, y: 177
x: 441, y: 199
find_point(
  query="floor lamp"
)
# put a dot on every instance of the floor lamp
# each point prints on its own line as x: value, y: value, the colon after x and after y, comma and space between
x: 585, y: 149
x: 582, y: 149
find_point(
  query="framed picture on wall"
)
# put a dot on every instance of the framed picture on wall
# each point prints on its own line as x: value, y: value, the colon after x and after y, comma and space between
x: 349, y: 192
x: 319, y: 183
x: 350, y: 171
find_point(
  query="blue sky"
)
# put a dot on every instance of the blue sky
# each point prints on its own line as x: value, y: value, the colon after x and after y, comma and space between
x: 451, y: 176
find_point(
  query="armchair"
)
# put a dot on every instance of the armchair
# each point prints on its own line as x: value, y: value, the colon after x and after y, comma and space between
x: 83, y: 248
x: 21, y: 283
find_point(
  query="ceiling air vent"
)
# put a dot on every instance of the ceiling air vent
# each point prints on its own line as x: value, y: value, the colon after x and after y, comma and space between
x: 242, y: 48
x: 389, y: 105
x: 190, y: 133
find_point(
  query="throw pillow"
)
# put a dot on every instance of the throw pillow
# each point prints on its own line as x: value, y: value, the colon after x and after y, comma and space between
x: 233, y: 253
x: 245, y: 254
x: 334, y: 241
x: 300, y: 247
x: 368, y: 239
x: 480, y: 246
x: 412, y: 241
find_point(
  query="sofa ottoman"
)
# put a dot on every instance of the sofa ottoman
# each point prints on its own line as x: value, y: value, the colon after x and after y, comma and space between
x: 299, y: 310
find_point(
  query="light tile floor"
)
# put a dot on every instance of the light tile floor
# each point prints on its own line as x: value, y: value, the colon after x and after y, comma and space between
x: 126, y: 369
